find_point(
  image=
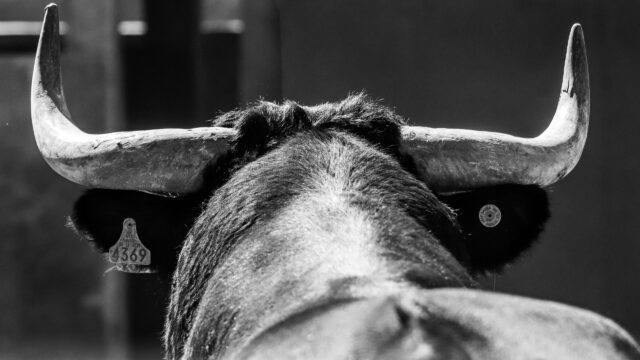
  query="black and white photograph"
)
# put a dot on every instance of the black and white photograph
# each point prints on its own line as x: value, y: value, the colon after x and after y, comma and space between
x: 319, y: 179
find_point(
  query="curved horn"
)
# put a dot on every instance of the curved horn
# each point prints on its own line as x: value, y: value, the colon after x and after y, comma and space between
x: 166, y: 161
x: 454, y: 159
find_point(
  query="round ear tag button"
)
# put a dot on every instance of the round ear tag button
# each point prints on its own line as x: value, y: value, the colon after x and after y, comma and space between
x: 490, y: 215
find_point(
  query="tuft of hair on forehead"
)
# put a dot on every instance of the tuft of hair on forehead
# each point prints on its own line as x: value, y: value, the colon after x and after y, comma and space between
x: 264, y: 125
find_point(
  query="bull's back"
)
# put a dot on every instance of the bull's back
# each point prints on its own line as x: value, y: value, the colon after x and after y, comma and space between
x: 444, y: 324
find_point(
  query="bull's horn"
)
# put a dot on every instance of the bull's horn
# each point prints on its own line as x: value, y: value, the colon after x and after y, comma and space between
x: 167, y: 161
x: 453, y: 159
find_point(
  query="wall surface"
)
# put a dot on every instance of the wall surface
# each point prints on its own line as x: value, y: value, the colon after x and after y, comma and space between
x: 490, y: 65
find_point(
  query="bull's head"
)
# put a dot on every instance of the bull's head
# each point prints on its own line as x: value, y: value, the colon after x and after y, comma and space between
x: 311, y: 208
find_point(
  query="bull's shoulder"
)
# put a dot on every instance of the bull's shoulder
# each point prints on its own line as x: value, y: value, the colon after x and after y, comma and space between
x: 509, y: 327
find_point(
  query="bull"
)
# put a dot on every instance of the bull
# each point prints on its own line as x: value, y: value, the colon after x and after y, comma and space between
x: 333, y: 231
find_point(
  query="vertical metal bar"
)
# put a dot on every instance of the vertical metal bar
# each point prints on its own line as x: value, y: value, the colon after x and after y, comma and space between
x: 172, y: 43
x: 94, y: 60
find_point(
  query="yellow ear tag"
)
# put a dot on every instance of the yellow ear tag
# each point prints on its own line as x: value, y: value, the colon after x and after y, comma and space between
x: 128, y: 254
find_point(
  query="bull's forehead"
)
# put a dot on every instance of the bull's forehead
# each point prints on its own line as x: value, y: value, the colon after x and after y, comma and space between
x: 329, y: 234
x: 341, y: 200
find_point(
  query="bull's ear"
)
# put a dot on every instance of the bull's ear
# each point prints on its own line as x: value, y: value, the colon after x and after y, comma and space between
x: 161, y: 223
x: 499, y: 222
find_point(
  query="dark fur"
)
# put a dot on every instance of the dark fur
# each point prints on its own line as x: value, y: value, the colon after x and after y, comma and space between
x: 258, y: 194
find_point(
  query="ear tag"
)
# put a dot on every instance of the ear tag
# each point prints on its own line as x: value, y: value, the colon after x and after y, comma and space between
x: 490, y: 215
x: 128, y: 254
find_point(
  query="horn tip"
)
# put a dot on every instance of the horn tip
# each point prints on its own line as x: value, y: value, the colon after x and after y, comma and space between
x: 51, y: 17
x: 577, y: 32
x: 576, y: 38
x: 49, y: 34
x: 576, y: 73
x: 46, y: 73
x: 51, y: 10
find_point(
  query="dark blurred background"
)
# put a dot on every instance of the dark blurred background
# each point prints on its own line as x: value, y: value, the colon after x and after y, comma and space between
x: 490, y: 65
